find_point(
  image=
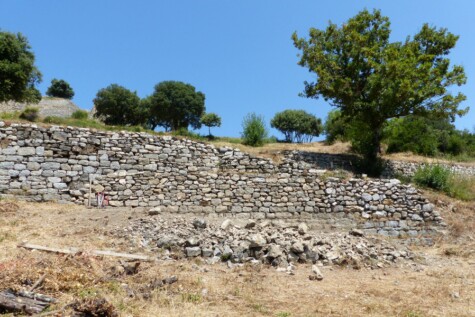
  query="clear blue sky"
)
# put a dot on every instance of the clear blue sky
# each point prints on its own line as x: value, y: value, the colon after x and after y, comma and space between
x: 239, y: 53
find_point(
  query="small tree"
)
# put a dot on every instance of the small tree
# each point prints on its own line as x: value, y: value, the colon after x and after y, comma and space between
x: 254, y: 130
x: 61, y: 89
x: 297, y: 125
x: 18, y: 73
x: 116, y: 105
x: 372, y: 80
x: 175, y: 105
x: 211, y: 119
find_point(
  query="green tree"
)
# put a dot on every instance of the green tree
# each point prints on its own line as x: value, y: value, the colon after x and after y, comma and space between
x: 371, y: 79
x: 61, y: 89
x: 254, y: 130
x: 18, y: 73
x: 297, y: 125
x: 175, y: 105
x: 210, y: 120
x: 336, y: 128
x: 116, y: 105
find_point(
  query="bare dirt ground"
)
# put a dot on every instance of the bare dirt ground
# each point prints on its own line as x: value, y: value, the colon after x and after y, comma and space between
x: 441, y: 282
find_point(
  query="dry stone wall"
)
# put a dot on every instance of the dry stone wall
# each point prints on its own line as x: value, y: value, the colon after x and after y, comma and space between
x: 409, y: 168
x: 182, y: 176
x: 48, y: 106
x: 349, y: 162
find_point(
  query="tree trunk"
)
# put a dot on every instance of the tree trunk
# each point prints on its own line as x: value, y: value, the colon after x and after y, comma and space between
x: 373, y: 162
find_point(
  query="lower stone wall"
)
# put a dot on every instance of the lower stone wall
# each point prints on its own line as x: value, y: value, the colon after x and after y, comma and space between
x: 183, y: 176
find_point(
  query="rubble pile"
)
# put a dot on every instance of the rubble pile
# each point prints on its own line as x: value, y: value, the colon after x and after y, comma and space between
x: 272, y: 242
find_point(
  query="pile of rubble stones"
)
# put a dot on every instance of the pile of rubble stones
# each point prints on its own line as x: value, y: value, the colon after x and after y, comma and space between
x: 274, y: 243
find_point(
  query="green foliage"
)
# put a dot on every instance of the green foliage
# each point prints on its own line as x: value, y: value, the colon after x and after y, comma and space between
x: 116, y: 105
x: 188, y: 134
x: 53, y: 120
x: 336, y: 128
x: 18, y: 73
x: 433, y: 176
x: 461, y: 187
x: 30, y: 114
x: 175, y: 105
x: 254, y: 130
x: 210, y: 120
x: 80, y: 114
x: 427, y: 136
x: 441, y: 178
x: 10, y: 115
x: 61, y: 89
x: 297, y: 125
x: 372, y: 80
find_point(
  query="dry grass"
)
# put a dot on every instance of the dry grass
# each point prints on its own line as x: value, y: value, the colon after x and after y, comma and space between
x: 274, y: 151
x: 410, y: 157
x: 443, y: 284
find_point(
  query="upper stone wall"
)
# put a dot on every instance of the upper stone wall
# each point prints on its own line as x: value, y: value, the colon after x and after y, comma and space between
x: 49, y: 106
x: 348, y: 162
x: 179, y: 176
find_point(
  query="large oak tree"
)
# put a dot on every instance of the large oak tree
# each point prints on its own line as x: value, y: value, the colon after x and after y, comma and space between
x: 371, y: 79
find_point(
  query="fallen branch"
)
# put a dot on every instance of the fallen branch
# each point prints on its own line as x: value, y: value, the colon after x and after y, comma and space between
x: 17, y: 302
x: 75, y: 251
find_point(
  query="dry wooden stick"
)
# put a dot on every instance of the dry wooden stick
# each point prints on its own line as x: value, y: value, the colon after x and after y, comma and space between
x: 74, y: 251
x: 38, y: 282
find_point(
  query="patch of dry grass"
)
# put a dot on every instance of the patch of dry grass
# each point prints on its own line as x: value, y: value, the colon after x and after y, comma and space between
x: 274, y: 151
x: 441, y: 285
x: 411, y: 157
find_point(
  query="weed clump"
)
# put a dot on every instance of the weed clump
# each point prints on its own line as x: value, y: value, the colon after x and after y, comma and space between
x: 443, y: 179
x: 433, y: 176
x: 30, y: 113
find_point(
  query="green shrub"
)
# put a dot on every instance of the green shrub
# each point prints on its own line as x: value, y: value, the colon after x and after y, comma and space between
x: 30, y: 114
x: 80, y: 115
x: 254, y: 130
x: 433, y: 176
x: 53, y: 120
x: 10, y: 115
x: 188, y: 134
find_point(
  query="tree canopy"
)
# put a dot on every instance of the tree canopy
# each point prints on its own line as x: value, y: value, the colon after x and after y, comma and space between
x: 18, y: 73
x: 61, y: 89
x: 297, y: 125
x: 116, y: 105
x: 336, y: 128
x: 174, y: 105
x: 427, y: 136
x: 371, y: 79
x: 210, y: 120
